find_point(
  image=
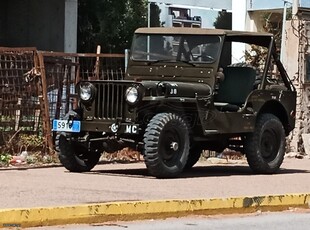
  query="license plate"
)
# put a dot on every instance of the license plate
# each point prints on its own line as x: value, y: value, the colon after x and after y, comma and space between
x: 65, y: 126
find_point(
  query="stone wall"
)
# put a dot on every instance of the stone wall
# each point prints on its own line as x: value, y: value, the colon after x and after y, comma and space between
x: 297, y: 47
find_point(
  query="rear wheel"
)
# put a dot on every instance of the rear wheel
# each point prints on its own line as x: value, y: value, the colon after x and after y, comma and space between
x: 166, y: 145
x: 74, y: 156
x: 265, y: 147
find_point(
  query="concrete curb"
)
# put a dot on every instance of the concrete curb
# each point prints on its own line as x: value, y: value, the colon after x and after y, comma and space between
x: 95, y: 213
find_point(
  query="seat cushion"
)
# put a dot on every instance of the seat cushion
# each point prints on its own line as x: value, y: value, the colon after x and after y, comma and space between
x: 226, y: 107
x: 235, y: 88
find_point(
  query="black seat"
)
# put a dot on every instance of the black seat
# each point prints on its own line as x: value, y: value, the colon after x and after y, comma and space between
x: 235, y: 88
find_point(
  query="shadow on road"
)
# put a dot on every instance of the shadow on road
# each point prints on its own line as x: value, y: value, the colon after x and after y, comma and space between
x: 195, y: 172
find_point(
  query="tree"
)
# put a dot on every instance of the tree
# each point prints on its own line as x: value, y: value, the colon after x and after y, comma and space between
x: 154, y: 15
x: 256, y: 55
x: 109, y: 23
x: 223, y: 20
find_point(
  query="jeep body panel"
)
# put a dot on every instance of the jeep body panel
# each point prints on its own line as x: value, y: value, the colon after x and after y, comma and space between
x: 172, y: 72
x: 276, y: 102
x: 104, y: 115
x: 243, y: 121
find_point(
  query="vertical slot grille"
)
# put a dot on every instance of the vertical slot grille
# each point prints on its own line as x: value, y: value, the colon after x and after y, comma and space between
x: 109, y: 101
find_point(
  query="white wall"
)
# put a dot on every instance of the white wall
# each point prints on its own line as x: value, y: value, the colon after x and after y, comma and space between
x: 239, y: 9
x: 265, y: 4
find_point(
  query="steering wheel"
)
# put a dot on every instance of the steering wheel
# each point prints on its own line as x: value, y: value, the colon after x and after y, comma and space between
x: 271, y: 80
x: 207, y: 58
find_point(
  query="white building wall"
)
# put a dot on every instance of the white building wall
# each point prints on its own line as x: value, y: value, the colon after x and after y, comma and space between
x: 239, y: 9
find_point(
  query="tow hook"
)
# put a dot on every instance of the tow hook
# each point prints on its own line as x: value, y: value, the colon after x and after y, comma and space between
x: 70, y: 120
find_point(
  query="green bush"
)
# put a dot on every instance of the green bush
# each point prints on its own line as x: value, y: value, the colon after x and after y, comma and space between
x: 5, y: 159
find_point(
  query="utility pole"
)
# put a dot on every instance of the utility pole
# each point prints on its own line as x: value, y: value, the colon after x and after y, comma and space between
x: 295, y: 7
x: 282, y: 53
x: 148, y: 14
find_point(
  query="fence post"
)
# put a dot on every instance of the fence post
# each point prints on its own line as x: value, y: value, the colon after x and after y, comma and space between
x: 17, y: 113
x: 39, y: 64
x: 97, y: 65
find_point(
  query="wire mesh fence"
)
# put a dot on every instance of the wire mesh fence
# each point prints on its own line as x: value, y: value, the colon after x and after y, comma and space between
x: 20, y: 110
x: 37, y: 87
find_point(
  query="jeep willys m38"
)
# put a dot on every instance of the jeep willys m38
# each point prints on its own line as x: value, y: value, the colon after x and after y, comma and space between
x: 182, y: 95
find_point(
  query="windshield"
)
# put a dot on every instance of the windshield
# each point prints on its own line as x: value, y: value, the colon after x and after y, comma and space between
x: 189, y: 48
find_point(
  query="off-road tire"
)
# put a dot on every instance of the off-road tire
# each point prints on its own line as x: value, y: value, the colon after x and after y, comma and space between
x: 73, y: 156
x: 193, y: 157
x: 162, y: 161
x: 265, y: 147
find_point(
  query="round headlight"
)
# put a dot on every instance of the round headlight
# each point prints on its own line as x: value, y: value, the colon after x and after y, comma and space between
x: 86, y: 91
x: 132, y: 95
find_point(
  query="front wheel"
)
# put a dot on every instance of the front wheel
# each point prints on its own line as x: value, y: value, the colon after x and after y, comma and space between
x: 193, y: 157
x: 166, y: 145
x: 265, y: 147
x: 74, y: 156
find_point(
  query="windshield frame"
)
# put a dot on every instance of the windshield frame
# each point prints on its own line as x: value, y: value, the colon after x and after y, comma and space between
x: 186, y: 48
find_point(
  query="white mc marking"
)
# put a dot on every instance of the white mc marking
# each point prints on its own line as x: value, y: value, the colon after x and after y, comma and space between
x: 131, y: 129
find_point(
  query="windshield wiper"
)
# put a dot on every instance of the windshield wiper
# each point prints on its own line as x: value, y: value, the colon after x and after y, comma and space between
x: 171, y: 60
x: 161, y: 60
x: 187, y: 62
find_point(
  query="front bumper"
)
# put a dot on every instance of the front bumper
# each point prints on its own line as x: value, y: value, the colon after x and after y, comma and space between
x: 110, y: 127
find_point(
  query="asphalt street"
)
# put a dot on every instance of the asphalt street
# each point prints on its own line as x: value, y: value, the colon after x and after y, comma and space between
x: 49, y: 187
x: 112, y: 192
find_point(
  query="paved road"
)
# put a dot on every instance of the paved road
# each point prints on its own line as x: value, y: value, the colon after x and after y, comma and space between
x: 257, y: 221
x: 124, y: 182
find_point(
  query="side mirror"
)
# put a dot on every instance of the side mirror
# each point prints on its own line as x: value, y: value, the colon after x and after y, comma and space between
x: 220, y: 75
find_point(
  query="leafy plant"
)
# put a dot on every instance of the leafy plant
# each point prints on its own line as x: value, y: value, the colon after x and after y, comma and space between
x: 32, y: 141
x: 38, y: 158
x: 5, y: 159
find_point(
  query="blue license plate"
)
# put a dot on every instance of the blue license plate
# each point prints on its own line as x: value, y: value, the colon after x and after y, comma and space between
x: 65, y: 126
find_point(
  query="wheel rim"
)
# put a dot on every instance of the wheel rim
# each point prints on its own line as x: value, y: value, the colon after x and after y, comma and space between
x: 171, y: 145
x: 270, y: 145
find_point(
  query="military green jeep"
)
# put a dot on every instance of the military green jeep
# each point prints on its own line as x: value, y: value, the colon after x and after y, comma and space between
x: 182, y: 94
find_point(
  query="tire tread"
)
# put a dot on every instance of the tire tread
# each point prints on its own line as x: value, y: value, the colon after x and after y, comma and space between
x: 153, y: 161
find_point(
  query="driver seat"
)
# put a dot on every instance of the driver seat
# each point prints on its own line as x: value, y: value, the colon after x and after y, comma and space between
x: 235, y: 88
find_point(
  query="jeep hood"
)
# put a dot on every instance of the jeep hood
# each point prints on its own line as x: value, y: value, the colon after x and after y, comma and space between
x: 176, y: 89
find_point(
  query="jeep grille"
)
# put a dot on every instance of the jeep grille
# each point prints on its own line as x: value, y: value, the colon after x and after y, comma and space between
x: 109, y: 101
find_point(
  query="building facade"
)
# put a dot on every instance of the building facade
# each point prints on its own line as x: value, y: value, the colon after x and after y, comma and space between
x: 45, y: 24
x: 297, y: 60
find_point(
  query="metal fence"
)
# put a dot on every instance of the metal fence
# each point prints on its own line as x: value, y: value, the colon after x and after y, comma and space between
x: 36, y: 87
x: 20, y: 110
